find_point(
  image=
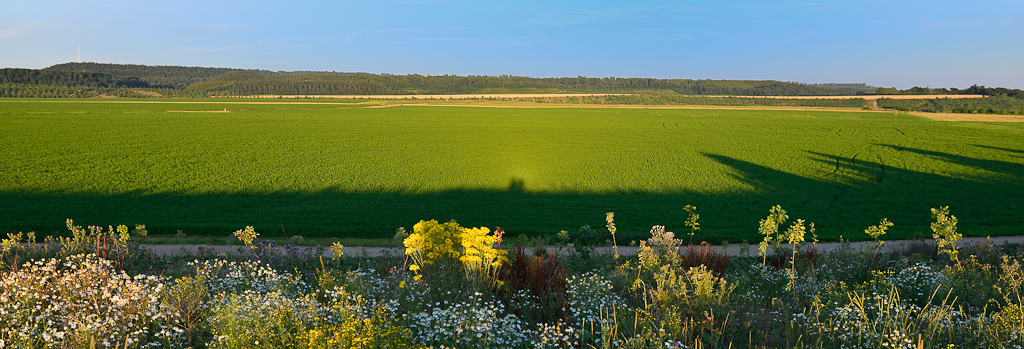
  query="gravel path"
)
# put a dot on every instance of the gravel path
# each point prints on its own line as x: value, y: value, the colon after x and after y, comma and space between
x: 732, y: 250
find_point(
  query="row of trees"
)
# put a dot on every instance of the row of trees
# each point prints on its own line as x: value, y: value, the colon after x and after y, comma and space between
x: 651, y: 99
x: 63, y: 78
x: 973, y: 90
x: 10, y: 90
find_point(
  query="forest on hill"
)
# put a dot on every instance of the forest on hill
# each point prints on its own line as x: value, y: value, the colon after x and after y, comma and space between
x: 131, y: 80
x: 255, y: 83
x: 89, y: 80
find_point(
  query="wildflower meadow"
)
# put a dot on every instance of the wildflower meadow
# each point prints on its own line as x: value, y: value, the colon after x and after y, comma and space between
x: 474, y: 287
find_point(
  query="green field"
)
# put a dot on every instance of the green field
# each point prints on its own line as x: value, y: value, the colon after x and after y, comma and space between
x: 343, y: 170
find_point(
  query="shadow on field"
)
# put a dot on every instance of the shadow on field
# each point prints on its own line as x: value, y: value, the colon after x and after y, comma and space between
x: 1003, y: 167
x: 849, y: 196
x: 1015, y: 151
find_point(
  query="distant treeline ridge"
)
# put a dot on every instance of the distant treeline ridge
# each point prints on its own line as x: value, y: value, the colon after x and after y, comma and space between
x: 88, y: 80
x: 244, y: 83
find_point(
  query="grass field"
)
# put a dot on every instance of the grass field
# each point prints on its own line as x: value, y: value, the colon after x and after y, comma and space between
x: 341, y: 169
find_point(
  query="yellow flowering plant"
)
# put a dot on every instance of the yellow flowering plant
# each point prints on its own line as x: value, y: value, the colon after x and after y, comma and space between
x: 474, y: 247
x: 431, y: 241
x: 610, y: 219
x: 480, y: 259
x: 336, y: 250
x: 247, y: 235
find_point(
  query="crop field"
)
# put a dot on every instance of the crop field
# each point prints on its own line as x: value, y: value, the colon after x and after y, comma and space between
x: 342, y: 169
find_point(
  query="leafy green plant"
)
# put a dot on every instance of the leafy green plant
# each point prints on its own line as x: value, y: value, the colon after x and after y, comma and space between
x: 20, y: 247
x: 260, y: 320
x: 794, y: 236
x: 946, y: 235
x: 186, y: 301
x: 875, y: 232
x: 769, y: 227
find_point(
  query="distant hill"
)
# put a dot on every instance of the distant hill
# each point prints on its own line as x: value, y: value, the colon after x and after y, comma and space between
x: 128, y: 79
x: 87, y: 80
x: 329, y: 83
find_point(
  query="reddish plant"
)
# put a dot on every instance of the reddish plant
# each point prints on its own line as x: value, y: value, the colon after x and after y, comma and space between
x: 542, y: 279
x: 808, y: 256
x: 705, y: 254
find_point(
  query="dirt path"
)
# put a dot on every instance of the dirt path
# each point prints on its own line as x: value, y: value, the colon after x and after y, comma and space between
x: 732, y: 250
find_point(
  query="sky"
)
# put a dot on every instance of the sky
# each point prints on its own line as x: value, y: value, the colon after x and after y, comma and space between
x: 887, y: 43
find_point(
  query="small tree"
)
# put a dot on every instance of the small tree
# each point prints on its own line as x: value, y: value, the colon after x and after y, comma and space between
x: 794, y: 236
x: 945, y: 233
x: 875, y: 232
x: 691, y: 220
x: 770, y: 229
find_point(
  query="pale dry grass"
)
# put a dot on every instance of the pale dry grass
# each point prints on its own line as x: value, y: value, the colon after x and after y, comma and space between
x: 867, y: 97
x: 148, y: 93
x: 610, y: 106
x: 970, y: 117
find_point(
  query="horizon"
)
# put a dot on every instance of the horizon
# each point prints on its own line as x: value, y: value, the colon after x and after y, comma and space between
x: 877, y: 43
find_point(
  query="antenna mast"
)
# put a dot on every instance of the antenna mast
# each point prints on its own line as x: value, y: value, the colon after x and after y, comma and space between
x: 79, y: 53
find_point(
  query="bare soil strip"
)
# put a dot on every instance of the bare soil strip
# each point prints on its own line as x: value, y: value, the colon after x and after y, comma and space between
x: 731, y: 250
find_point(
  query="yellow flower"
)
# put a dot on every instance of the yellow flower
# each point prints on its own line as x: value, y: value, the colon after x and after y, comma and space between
x: 417, y: 277
x: 414, y: 267
x: 336, y: 250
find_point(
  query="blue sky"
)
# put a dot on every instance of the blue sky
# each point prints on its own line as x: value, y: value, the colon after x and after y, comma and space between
x: 896, y: 43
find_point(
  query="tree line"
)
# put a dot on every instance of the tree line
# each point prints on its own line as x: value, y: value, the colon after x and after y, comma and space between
x: 973, y: 90
x: 652, y: 99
